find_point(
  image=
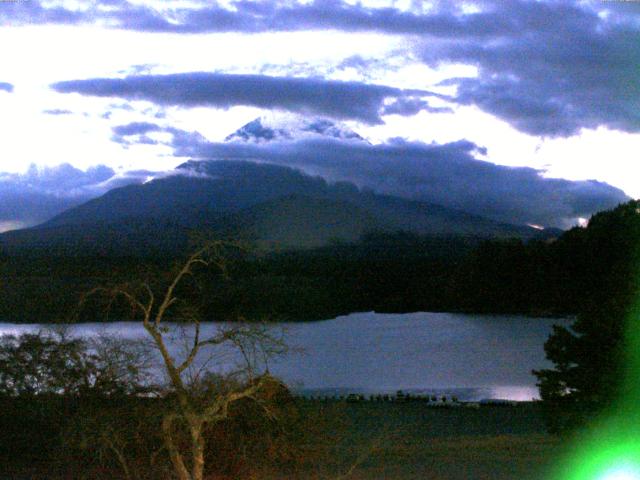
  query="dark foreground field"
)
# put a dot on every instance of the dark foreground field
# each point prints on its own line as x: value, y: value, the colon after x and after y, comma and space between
x: 371, y: 440
x: 412, y: 441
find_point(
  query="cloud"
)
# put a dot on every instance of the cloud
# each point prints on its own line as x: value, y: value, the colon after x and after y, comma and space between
x: 62, y: 179
x: 371, y: 67
x: 286, y: 128
x: 448, y: 174
x: 35, y: 12
x: 40, y: 193
x: 549, y: 68
x: 343, y: 100
x: 241, y: 16
x: 444, y: 19
x: 410, y: 106
x: 135, y: 128
x: 127, y: 178
x: 265, y: 16
x: 57, y: 111
x: 6, y: 87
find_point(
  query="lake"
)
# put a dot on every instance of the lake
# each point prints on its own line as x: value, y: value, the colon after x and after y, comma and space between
x: 474, y: 357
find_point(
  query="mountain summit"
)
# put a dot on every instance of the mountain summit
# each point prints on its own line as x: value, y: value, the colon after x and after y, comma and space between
x: 286, y: 128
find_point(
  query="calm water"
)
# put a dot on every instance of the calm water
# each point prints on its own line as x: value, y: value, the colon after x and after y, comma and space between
x: 471, y: 356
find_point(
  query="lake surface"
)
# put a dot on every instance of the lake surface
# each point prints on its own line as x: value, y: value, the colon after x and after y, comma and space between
x: 471, y: 356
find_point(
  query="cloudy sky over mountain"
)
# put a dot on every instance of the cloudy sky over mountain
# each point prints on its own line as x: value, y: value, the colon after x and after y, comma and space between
x: 503, y: 108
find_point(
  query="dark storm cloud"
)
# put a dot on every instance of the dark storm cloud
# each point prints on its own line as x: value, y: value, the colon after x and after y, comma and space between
x: 448, y: 174
x: 447, y: 20
x: 549, y: 68
x: 344, y: 100
x: 564, y: 68
x: 6, y: 87
x: 40, y: 193
x: 251, y: 17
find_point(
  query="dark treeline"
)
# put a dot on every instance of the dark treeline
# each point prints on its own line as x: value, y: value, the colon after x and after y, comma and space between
x: 400, y: 272
x: 382, y: 272
x: 583, y: 269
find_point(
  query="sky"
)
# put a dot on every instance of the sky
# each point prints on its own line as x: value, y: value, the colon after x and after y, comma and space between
x: 523, y: 111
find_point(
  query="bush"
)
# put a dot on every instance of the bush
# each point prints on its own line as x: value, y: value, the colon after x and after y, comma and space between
x: 46, y: 363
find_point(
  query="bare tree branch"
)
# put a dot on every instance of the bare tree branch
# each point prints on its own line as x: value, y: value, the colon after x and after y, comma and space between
x: 197, y: 405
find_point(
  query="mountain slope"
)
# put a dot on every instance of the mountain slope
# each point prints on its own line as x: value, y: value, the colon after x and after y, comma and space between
x: 263, y: 202
x: 216, y: 188
x: 257, y: 200
x: 301, y: 221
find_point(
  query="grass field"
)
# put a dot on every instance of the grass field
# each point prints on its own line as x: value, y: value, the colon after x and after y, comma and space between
x: 391, y: 440
x: 413, y: 441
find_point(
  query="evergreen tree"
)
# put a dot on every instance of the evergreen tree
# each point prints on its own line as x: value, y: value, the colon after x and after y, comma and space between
x: 589, y: 357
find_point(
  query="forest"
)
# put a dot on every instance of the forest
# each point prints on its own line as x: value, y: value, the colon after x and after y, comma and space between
x: 382, y: 272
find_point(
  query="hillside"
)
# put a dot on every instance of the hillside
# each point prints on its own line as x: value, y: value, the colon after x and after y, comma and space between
x: 247, y: 200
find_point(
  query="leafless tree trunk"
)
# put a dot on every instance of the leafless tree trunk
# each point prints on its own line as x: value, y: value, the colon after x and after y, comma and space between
x: 192, y: 412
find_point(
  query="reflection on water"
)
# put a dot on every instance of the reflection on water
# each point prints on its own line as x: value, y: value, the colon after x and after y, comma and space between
x: 468, y: 356
x: 516, y: 393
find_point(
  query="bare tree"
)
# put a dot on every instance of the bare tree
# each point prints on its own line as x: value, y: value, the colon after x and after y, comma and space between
x: 199, y: 402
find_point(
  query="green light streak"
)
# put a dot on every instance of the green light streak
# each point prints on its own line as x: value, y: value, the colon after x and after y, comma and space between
x: 624, y: 472
x: 610, y: 448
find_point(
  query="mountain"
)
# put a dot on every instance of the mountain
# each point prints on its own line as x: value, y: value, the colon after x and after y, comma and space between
x: 336, y: 248
x: 242, y: 199
x: 258, y: 201
x: 284, y: 127
x: 301, y: 221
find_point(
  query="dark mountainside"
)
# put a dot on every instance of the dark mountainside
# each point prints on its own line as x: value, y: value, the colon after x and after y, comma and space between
x: 257, y: 202
x: 318, y: 250
x: 386, y: 272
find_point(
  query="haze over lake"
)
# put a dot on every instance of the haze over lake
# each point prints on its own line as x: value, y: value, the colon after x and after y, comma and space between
x: 471, y: 356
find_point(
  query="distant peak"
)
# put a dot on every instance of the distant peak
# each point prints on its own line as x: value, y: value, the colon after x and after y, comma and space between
x: 256, y: 132
x: 284, y: 128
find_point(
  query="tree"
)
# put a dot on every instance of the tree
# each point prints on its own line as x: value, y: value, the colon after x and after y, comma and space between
x: 197, y: 400
x: 591, y: 359
x: 588, y: 370
x: 54, y: 363
x: 51, y: 381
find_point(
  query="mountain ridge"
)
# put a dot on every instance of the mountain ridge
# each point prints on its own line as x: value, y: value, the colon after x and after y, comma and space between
x: 248, y: 199
x: 258, y: 200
